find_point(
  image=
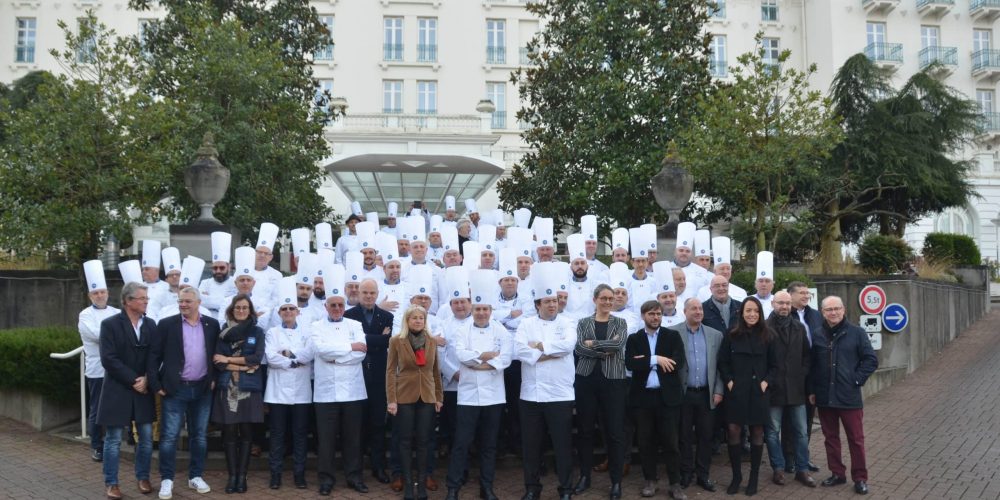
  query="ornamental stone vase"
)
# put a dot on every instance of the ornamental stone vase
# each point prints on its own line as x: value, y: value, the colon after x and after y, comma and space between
x: 672, y: 188
x: 206, y: 180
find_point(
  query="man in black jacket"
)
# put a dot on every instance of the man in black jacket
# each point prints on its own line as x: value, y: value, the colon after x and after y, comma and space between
x: 377, y: 325
x: 788, y: 392
x: 812, y: 321
x: 655, y: 355
x: 125, y: 394
x: 842, y: 360
x: 721, y: 310
x: 182, y: 372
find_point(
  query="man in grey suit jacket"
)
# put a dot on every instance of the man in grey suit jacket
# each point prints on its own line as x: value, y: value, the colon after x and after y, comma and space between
x: 702, y: 392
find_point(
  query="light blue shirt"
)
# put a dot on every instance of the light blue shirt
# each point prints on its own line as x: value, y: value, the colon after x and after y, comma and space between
x: 653, y: 382
x: 697, y: 357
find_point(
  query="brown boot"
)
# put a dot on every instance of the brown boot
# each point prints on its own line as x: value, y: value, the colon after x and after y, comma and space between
x: 806, y: 479
x: 779, y: 478
x: 114, y: 493
x: 397, y: 483
x: 601, y: 467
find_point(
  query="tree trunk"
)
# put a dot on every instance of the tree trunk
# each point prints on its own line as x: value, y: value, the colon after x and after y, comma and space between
x: 761, y: 234
x: 830, y: 255
x: 885, y: 225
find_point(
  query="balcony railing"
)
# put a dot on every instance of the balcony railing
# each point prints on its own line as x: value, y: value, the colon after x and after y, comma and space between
x: 921, y: 3
x: 718, y: 11
x: 427, y: 53
x: 324, y: 54
x: 718, y: 68
x: 885, y: 52
x: 986, y: 59
x: 499, y: 119
x: 393, y: 120
x: 976, y: 4
x: 984, y: 10
x: 496, y: 55
x: 392, y: 52
x: 944, y: 55
x: 989, y: 123
x: 525, y: 60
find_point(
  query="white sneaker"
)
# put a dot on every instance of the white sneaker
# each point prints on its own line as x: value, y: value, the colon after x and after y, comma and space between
x: 199, y: 484
x: 166, y: 489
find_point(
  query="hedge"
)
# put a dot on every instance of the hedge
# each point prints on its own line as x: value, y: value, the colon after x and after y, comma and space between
x: 883, y: 254
x: 958, y: 249
x: 25, y: 363
x: 746, y: 280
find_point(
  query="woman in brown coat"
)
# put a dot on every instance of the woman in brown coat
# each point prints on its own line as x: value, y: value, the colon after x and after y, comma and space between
x: 414, y: 393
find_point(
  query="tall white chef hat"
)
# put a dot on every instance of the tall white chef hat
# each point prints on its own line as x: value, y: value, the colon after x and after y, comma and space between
x: 522, y: 217
x: 702, y: 243
x: 508, y: 263
x: 94, y: 271
x: 418, y: 231
x: 385, y: 245
x: 324, y: 236
x: 150, y: 253
x: 356, y: 208
x: 545, y: 280
x: 588, y: 227
x: 449, y: 238
x: 243, y: 260
x: 300, y: 241
x: 131, y: 271
x: 765, y: 265
x: 308, y: 268
x: 392, y: 209
x: 267, y: 235
x: 664, y: 276
x: 333, y: 280
x: 171, y: 260
x: 721, y: 250
x: 449, y: 202
x: 287, y: 292
x: 488, y: 238
x: 637, y: 239
x: 472, y: 253
x: 519, y: 238
x: 470, y: 206
x: 354, y: 266
x: 649, y: 234
x: 483, y: 287
x: 373, y: 218
x: 222, y: 246
x: 456, y: 282
x: 685, y: 235
x: 543, y: 227
x: 620, y: 238
x: 191, y: 271
x: 420, y: 281
x: 436, y: 223
x: 576, y: 244
x: 366, y: 234
x: 619, y: 275
x: 499, y: 218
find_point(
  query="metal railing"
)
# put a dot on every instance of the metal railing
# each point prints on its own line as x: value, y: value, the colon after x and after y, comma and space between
x: 524, y: 59
x: 990, y: 122
x: 392, y: 52
x: 496, y: 55
x: 396, y: 120
x: 921, y: 3
x: 324, y: 54
x: 427, y: 53
x: 985, y: 58
x: 885, y: 52
x: 83, y: 386
x: 944, y: 55
x: 499, y: 119
x: 976, y: 4
x: 717, y: 68
x: 718, y: 11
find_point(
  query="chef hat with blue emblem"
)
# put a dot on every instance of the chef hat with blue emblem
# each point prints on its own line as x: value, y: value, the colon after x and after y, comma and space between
x: 300, y: 241
x: 685, y: 235
x: 588, y: 227
x: 662, y: 272
x: 243, y: 261
x: 151, y: 253
x: 385, y: 245
x: 171, y: 260
x: 191, y: 271
x: 619, y: 239
x: 765, y: 265
x: 702, y: 243
x: 471, y: 251
x: 435, y: 223
x: 324, y: 236
x: 722, y: 250
x: 420, y: 281
x: 354, y: 267
x: 456, y: 282
x: 307, y: 270
x: 563, y: 275
x: 649, y: 235
x: 417, y: 228
x: 94, y: 271
x: 287, y: 292
x: 522, y: 217
x: 449, y: 238
x: 499, y: 218
x: 637, y: 242
x: 267, y: 236
x: 366, y: 234
x: 520, y: 239
x: 507, y: 263
x: 545, y: 280
x: 543, y: 227
x: 392, y: 210
x: 484, y: 288
x: 576, y: 245
x: 356, y: 208
x: 334, y: 280
x: 487, y: 238
x: 373, y: 218
x: 222, y: 245
x: 619, y: 275
x: 449, y: 202
x: 131, y: 271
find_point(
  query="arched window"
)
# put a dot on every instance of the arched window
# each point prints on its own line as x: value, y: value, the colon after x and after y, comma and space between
x: 956, y: 221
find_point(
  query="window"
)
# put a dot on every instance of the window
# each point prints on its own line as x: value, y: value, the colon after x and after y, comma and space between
x: 769, y: 10
x: 772, y: 51
x: 324, y: 91
x: 875, y: 33
x: 427, y: 97
x: 718, y: 11
x: 956, y: 221
x: 326, y: 53
x: 930, y: 36
x: 393, y: 43
x: 496, y: 41
x: 24, y: 50
x: 985, y: 100
x: 497, y: 92
x: 717, y: 64
x: 427, y: 39
x: 392, y: 96
x: 981, y: 45
x: 88, y: 47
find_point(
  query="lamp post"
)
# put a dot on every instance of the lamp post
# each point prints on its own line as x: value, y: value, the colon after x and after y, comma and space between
x: 672, y: 188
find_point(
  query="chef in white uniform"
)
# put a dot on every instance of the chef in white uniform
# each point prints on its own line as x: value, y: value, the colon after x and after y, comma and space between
x: 220, y: 285
x: 89, y: 326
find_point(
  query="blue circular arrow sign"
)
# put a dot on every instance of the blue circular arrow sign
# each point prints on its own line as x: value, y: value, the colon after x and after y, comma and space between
x: 895, y: 318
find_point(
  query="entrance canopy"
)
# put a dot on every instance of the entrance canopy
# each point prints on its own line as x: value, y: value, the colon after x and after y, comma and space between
x: 376, y: 179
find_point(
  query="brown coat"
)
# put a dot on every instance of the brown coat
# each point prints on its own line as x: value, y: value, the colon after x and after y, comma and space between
x: 405, y: 382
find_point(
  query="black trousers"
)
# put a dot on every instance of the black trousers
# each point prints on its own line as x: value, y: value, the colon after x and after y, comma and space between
x: 344, y: 418
x: 657, y: 425
x: 482, y: 422
x: 375, y: 414
x: 96, y: 432
x: 283, y: 417
x: 557, y: 416
x: 595, y: 395
x: 511, y: 425
x: 416, y: 422
x: 448, y: 419
x: 697, y: 425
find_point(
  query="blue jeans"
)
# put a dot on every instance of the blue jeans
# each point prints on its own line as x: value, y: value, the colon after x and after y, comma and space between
x: 773, y: 435
x: 196, y: 405
x: 143, y: 452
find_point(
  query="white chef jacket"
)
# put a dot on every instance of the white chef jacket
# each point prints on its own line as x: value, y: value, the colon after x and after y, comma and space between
x: 550, y: 380
x: 597, y: 270
x: 580, y: 302
x: 375, y: 273
x: 213, y: 293
x: 696, y: 277
x: 89, y: 326
x: 265, y: 287
x: 346, y: 242
x: 640, y: 291
x: 705, y: 293
x: 482, y: 387
x: 162, y: 299
x: 394, y: 293
x: 632, y: 320
x: 447, y: 357
x: 677, y: 318
x: 287, y: 385
x: 504, y: 307
x: 337, y: 368
x: 765, y: 304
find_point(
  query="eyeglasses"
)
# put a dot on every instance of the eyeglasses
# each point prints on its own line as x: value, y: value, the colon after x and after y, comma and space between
x: 286, y: 309
x: 832, y: 309
x: 219, y: 268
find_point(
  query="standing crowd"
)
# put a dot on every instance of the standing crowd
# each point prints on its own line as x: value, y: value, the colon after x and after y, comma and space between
x: 436, y: 334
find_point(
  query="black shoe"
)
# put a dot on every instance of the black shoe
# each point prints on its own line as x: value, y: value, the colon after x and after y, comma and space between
x: 735, y: 450
x: 300, y: 481
x: 452, y: 494
x: 242, y: 467
x: 707, y: 484
x: 566, y: 496
x: 381, y: 476
x: 813, y: 467
x: 616, y: 491
x: 275, y: 480
x: 232, y: 459
x: 861, y: 487
x: 465, y: 477
x: 97, y: 455
x: 685, y: 480
x: 487, y: 494
x: 325, y: 489
x: 358, y: 486
x: 834, y: 480
x: 530, y: 496
x: 582, y: 485
x: 231, y: 485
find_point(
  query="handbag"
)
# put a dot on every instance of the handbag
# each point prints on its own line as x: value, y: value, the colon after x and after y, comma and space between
x: 252, y: 381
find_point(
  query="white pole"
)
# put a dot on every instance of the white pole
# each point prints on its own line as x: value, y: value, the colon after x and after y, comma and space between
x: 83, y: 400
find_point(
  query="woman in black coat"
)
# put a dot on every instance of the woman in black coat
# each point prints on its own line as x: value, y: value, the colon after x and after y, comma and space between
x: 746, y: 360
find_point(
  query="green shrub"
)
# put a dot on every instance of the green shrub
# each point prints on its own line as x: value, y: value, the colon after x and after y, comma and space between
x: 25, y: 363
x: 958, y: 249
x: 746, y: 280
x: 883, y: 254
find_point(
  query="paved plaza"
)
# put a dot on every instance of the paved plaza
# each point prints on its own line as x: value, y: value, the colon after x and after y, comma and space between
x: 936, y: 435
